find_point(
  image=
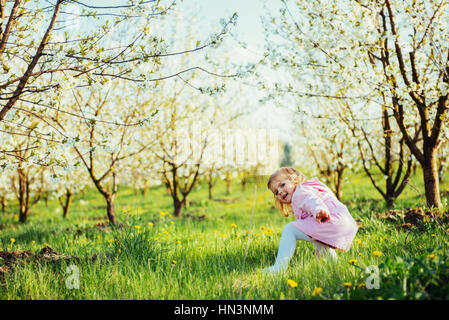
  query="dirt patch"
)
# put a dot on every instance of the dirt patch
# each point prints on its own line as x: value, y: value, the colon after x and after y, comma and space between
x: 198, y: 218
x: 3, y: 271
x: 418, y: 216
x: 10, y: 259
x: 8, y: 226
x: 107, y: 225
x: 410, y: 218
x: 94, y: 218
x: 391, y: 215
x: 47, y: 254
x: 102, y: 226
x: 405, y: 226
x: 98, y: 207
x: 228, y: 200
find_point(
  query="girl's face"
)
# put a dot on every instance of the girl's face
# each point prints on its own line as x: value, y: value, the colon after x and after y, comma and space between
x: 283, y: 189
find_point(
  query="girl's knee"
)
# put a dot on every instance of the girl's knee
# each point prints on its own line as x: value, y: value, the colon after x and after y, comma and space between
x: 289, y: 228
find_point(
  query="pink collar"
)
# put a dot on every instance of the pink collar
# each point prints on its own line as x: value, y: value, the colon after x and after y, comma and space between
x: 314, y: 182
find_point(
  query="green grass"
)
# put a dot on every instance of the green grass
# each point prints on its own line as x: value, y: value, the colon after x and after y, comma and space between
x: 202, y: 259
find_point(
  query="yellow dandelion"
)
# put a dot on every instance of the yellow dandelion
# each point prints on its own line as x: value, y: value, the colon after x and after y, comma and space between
x: 362, y: 285
x: 432, y: 256
x: 233, y: 225
x: 156, y: 239
x: 238, y: 237
x: 268, y: 232
x: 150, y: 224
x: 292, y: 283
x: 223, y: 235
x: 33, y: 242
x: 352, y: 261
x: 12, y: 240
x: 377, y: 253
x: 137, y: 227
x: 215, y: 230
x: 282, y: 296
x: 316, y: 291
x: 173, y: 261
x: 178, y: 242
x: 347, y: 284
x: 163, y: 213
x: 434, y: 235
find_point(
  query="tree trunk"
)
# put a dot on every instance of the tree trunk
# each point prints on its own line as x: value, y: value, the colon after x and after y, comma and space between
x: 339, y: 184
x: 143, y: 191
x: 46, y: 196
x: 210, y: 189
x: 440, y: 172
x: 4, y: 204
x: 414, y: 166
x: 431, y: 182
x: 66, y: 206
x: 228, y: 187
x: 23, y: 214
x: 389, y: 199
x: 23, y: 205
x: 244, y: 184
x: 110, y: 208
x: 186, y: 202
x: 178, y: 207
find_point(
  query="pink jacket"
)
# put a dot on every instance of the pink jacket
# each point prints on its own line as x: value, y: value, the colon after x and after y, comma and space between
x: 313, y: 196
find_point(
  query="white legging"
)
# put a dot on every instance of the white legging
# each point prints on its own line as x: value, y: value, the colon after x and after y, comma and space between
x: 287, y: 247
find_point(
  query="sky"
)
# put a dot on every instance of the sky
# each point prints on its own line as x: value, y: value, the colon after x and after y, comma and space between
x: 250, y: 30
x: 249, y: 27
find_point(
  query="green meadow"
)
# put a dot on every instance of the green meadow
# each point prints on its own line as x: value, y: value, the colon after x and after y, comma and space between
x: 216, y: 249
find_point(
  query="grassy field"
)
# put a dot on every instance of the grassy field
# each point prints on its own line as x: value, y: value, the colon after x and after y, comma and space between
x: 201, y: 254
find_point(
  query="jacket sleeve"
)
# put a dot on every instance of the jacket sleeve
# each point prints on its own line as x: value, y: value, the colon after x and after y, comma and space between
x: 305, y: 199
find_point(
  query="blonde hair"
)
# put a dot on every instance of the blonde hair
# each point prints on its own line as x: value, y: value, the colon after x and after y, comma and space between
x: 295, y: 177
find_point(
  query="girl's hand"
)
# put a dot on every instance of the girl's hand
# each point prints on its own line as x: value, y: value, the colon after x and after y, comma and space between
x: 322, y: 216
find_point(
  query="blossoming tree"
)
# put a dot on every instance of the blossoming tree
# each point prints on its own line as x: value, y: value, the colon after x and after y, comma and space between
x: 367, y: 51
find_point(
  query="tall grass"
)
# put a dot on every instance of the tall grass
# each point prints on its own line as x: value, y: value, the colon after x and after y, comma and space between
x: 156, y: 256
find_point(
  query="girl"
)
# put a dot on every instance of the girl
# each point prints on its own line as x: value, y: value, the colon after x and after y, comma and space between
x: 320, y: 217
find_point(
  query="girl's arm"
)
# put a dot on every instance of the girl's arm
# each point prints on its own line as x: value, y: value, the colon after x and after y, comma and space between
x: 304, y: 198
